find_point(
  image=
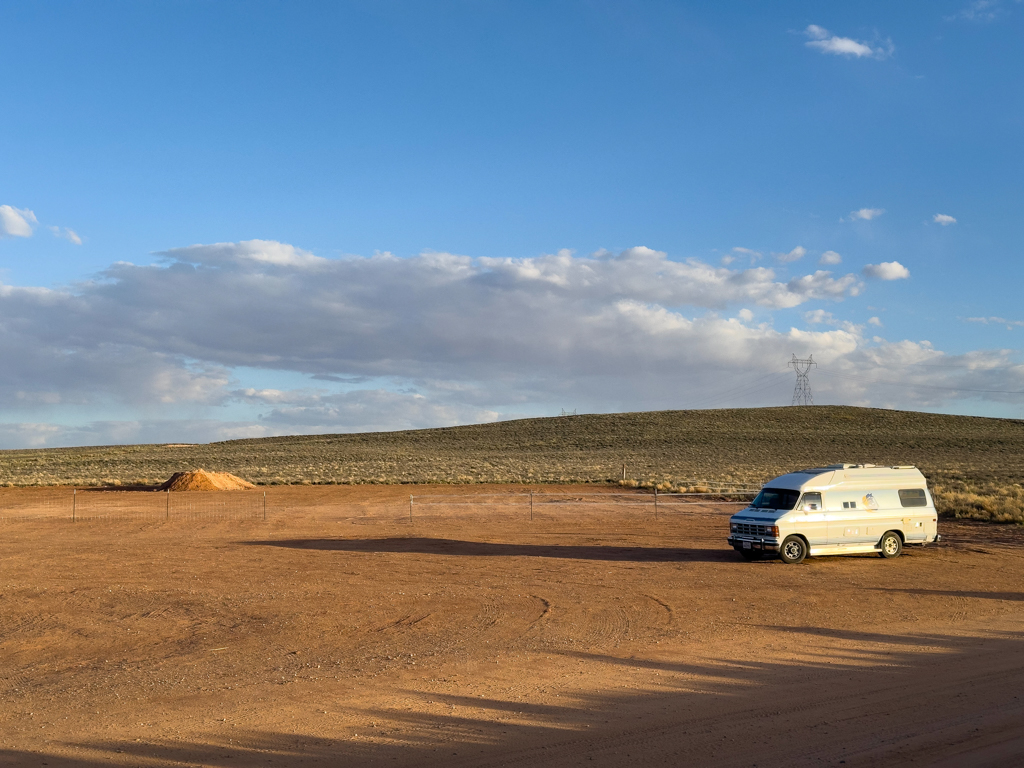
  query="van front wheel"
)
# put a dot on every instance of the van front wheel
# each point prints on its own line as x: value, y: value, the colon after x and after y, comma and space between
x: 793, y: 550
x: 891, y: 544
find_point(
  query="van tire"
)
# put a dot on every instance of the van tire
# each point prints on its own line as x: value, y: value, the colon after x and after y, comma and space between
x: 890, y: 545
x: 793, y: 550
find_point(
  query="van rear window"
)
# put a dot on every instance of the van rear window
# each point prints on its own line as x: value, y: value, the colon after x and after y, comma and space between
x: 913, y: 497
x: 775, y: 498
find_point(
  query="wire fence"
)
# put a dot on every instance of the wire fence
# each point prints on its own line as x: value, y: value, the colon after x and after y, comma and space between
x: 96, y: 505
x: 546, y: 503
x: 84, y: 506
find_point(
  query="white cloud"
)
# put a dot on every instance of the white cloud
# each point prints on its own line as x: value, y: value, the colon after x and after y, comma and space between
x: 16, y: 222
x: 267, y: 252
x: 943, y: 219
x: 752, y: 254
x: 887, y: 270
x: 926, y: 376
x: 31, y: 435
x: 819, y: 316
x: 196, y: 346
x: 875, y: 321
x: 831, y: 258
x: 1010, y: 324
x: 66, y: 234
x: 823, y: 40
x: 20, y: 222
x: 437, y: 316
x: 978, y: 10
x: 822, y: 285
x: 370, y: 411
x: 794, y: 255
x: 251, y: 394
x: 40, y: 435
x: 866, y: 214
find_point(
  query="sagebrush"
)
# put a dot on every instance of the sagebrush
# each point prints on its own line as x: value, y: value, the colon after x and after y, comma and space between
x: 973, y: 464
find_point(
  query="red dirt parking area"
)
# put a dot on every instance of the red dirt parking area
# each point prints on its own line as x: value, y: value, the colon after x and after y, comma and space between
x: 342, y: 632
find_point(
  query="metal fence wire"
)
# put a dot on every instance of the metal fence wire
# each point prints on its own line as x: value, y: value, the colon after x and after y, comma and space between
x: 94, y: 505
x: 83, y: 506
x: 543, y: 503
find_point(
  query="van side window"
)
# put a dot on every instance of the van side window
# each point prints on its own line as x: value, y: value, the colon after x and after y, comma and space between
x: 849, y: 505
x: 913, y: 497
x: 811, y: 499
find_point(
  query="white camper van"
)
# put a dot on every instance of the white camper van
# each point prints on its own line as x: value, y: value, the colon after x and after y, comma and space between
x: 837, y: 510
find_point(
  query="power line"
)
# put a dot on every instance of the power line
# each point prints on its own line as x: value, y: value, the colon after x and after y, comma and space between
x: 863, y: 380
x: 740, y: 390
x: 967, y: 367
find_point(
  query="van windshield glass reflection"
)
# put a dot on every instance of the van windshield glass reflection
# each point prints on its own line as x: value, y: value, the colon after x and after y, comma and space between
x: 775, y: 498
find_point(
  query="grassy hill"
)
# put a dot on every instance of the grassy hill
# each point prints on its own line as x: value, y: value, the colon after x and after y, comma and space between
x: 975, y: 465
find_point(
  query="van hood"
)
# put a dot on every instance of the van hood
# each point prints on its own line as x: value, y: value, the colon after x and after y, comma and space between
x: 761, y: 515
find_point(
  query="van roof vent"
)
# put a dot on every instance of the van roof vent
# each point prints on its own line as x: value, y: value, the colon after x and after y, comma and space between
x: 849, y: 466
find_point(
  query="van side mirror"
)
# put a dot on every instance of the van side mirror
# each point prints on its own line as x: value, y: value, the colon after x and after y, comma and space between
x: 810, y: 507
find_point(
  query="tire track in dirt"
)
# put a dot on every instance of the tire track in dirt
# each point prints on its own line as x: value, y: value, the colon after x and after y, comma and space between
x: 835, y: 721
x: 670, y: 614
x: 545, y: 633
x: 542, y: 618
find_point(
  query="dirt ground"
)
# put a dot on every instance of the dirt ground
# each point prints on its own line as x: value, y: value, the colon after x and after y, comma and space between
x: 339, y: 632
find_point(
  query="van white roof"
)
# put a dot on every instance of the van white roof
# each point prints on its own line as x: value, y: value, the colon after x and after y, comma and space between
x: 820, y: 478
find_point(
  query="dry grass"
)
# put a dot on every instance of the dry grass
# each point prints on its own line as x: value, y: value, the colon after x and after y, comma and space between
x: 992, y: 501
x: 974, y: 464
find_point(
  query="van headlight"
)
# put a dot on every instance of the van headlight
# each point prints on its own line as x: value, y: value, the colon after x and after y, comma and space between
x: 733, y: 527
x: 773, y: 530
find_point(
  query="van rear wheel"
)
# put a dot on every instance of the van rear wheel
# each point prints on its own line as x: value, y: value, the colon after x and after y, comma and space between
x: 793, y: 550
x: 891, y: 545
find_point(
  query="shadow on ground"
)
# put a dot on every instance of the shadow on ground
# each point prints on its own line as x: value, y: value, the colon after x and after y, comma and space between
x: 856, y: 699
x: 1011, y: 596
x: 433, y: 546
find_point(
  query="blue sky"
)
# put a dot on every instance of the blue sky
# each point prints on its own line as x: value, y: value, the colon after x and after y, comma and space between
x: 241, y: 219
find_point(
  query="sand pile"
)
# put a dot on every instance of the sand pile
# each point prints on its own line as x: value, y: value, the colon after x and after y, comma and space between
x: 201, y: 480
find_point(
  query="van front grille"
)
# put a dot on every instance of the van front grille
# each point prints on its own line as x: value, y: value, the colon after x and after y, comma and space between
x: 752, y: 530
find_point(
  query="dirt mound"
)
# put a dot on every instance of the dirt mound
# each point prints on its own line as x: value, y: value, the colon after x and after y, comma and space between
x: 201, y: 480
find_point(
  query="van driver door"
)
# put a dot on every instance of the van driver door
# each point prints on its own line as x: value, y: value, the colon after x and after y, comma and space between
x: 815, y: 524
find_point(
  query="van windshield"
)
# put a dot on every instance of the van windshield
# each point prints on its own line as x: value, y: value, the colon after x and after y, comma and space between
x: 775, y: 498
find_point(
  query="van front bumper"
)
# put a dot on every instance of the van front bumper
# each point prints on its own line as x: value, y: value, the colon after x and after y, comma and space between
x: 754, y: 543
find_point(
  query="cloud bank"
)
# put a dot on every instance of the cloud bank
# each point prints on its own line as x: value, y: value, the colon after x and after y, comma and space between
x: 437, y: 339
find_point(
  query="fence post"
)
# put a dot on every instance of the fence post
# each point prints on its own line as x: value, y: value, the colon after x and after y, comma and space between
x: 655, y: 502
x: 264, y: 506
x: 623, y: 471
x: 74, y: 504
x: 531, y: 505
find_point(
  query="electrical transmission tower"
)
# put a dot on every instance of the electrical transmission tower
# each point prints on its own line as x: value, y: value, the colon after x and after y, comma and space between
x: 802, y: 390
